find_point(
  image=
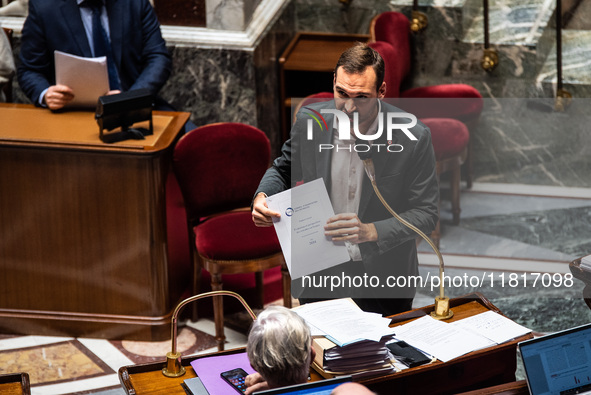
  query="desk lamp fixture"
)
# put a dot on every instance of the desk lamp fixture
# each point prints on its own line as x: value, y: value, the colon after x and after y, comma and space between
x: 174, y: 367
x: 442, y: 310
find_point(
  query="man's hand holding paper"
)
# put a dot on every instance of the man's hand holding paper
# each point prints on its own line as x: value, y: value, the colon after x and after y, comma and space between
x: 303, y: 213
x: 348, y: 227
x: 57, y: 96
x: 262, y: 216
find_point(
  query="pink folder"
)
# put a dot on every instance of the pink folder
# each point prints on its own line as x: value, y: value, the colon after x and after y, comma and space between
x: 208, y: 369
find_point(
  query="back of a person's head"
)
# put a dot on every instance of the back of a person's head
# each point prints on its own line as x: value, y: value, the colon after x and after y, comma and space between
x: 278, y: 347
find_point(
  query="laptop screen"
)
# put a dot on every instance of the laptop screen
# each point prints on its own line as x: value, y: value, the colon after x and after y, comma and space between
x: 322, y: 387
x: 560, y: 363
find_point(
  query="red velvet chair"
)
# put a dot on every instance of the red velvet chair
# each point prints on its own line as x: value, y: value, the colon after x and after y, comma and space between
x: 466, y: 106
x: 218, y: 168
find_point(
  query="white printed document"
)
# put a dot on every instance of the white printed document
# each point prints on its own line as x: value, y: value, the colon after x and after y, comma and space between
x: 87, y: 77
x: 450, y: 340
x: 494, y: 326
x: 442, y: 340
x: 343, y: 322
x: 304, y: 211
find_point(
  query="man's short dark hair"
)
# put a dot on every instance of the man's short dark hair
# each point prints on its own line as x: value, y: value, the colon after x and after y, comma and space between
x: 360, y: 56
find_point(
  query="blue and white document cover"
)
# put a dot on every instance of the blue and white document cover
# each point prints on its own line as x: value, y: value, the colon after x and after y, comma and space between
x: 304, y: 211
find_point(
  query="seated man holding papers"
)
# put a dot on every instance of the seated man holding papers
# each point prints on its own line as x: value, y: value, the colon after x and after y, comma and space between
x: 126, y: 32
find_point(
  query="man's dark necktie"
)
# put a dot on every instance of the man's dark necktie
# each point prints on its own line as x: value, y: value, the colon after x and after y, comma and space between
x: 102, y: 46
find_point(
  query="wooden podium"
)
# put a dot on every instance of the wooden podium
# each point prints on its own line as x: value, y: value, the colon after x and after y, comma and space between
x: 83, y: 247
x: 478, y: 369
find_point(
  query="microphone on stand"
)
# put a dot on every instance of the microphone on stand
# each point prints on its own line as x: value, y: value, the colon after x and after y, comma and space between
x: 442, y: 310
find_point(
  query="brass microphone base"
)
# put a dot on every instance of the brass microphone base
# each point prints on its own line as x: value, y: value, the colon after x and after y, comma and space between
x: 442, y: 311
x: 173, y: 367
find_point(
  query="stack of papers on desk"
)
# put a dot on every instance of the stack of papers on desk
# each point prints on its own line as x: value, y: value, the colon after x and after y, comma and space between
x: 359, y: 357
x: 347, y: 339
x: 447, y: 341
x: 343, y: 322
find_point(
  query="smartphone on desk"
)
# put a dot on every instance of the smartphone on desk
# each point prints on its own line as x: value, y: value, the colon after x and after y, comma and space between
x: 235, y: 378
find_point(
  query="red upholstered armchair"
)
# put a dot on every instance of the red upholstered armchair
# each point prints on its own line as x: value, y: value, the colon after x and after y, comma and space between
x: 218, y: 168
x: 394, y: 29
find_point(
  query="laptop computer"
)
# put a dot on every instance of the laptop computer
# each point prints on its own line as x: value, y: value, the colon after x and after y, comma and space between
x: 322, y: 387
x: 559, y: 363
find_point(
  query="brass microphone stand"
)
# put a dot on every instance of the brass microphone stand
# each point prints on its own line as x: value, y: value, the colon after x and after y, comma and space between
x: 442, y: 310
x: 174, y: 367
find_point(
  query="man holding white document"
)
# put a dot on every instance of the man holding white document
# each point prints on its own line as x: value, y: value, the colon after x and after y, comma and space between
x: 126, y: 32
x: 325, y: 142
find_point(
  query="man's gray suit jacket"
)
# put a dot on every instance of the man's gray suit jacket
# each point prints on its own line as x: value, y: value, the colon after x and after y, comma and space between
x: 407, y: 180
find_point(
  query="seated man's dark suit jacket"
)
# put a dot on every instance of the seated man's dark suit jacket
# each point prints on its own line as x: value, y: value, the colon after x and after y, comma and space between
x: 138, y: 47
x: 407, y: 180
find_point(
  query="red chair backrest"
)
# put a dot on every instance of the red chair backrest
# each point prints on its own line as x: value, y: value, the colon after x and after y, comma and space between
x: 219, y: 167
x: 394, y: 28
x: 392, y: 75
x: 314, y: 98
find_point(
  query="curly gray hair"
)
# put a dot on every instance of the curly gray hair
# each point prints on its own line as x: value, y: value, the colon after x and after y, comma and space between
x: 279, y: 347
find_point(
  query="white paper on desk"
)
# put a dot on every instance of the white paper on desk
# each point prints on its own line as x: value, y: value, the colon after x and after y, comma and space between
x: 304, y: 211
x: 493, y: 326
x: 87, y: 77
x: 442, y: 340
x: 343, y: 322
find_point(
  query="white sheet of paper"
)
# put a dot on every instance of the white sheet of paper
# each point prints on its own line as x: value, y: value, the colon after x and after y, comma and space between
x: 343, y: 322
x: 442, y: 340
x: 87, y: 77
x: 304, y: 211
x: 493, y: 326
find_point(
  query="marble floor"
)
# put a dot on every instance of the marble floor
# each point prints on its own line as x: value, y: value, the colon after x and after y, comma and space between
x: 63, y: 365
x: 507, y: 234
x: 520, y: 240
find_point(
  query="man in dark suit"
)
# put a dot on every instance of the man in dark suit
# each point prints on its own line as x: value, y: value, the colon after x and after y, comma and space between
x: 380, y: 247
x: 138, y: 50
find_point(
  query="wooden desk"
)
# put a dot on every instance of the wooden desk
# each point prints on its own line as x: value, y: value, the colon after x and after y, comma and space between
x: 83, y: 248
x: 306, y: 66
x: 513, y: 388
x: 483, y: 368
x: 15, y: 384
